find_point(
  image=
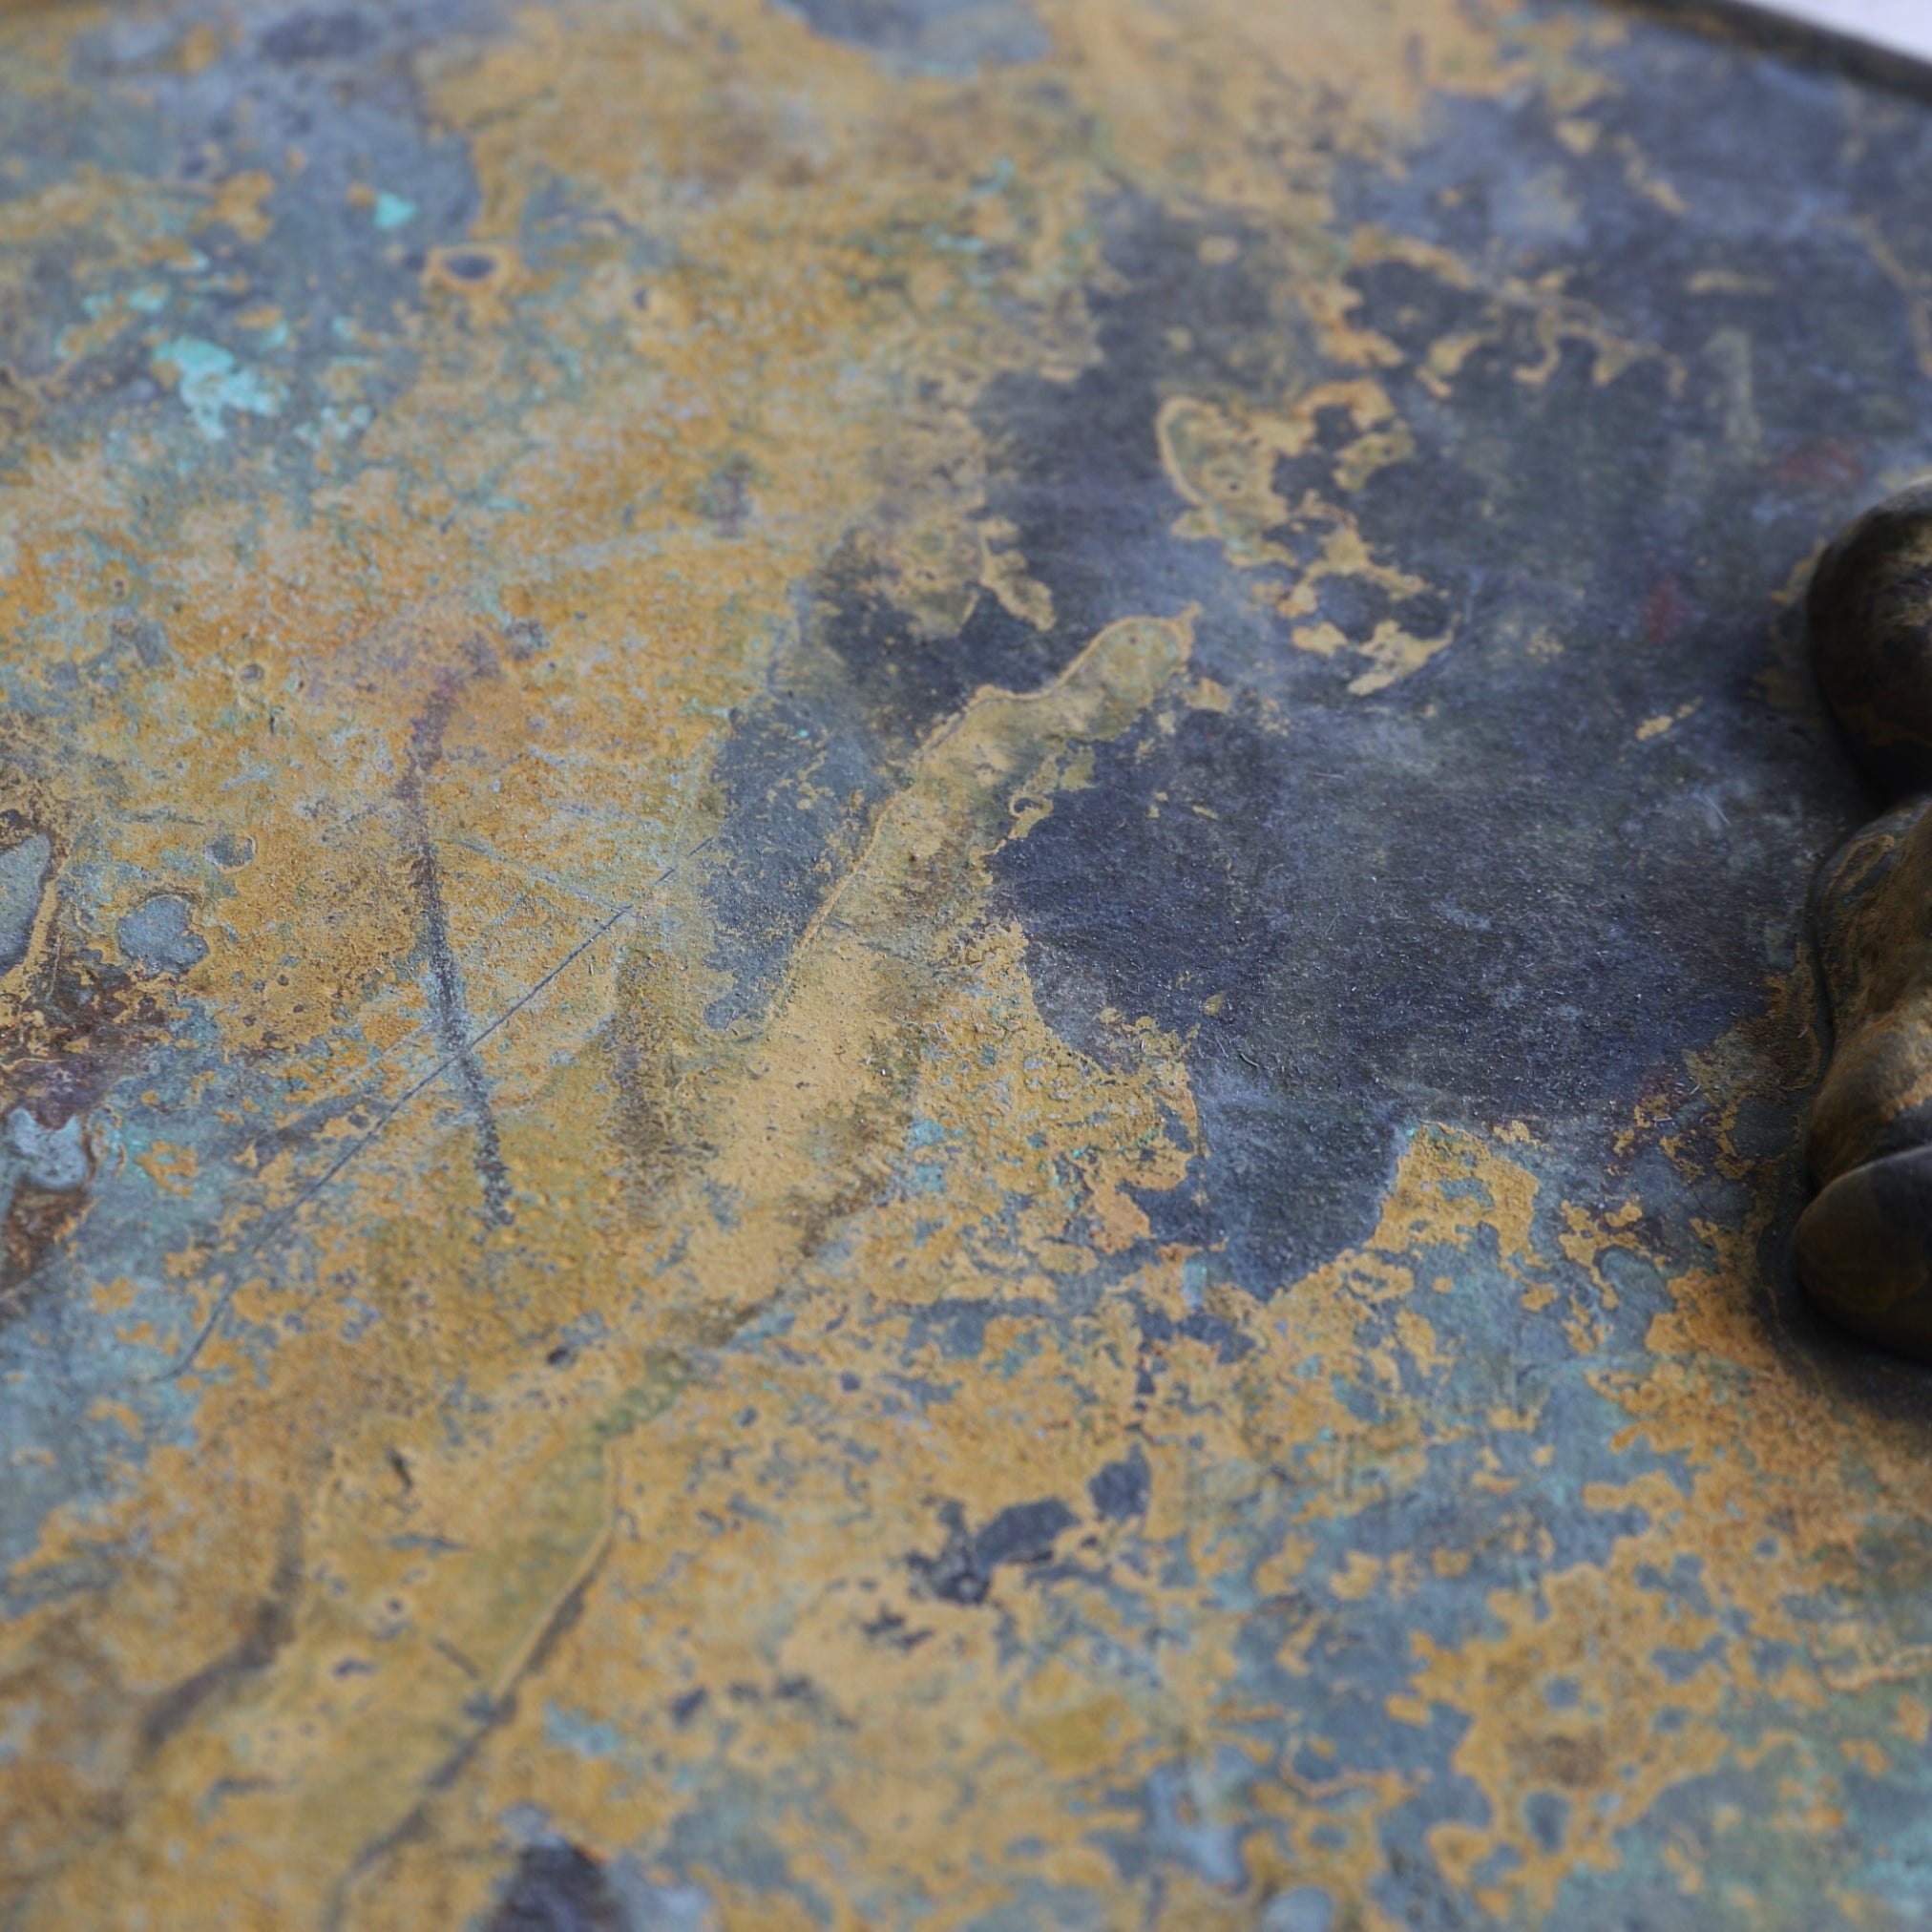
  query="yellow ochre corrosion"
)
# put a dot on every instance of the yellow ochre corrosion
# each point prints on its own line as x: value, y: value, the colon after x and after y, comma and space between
x: 902, y: 1016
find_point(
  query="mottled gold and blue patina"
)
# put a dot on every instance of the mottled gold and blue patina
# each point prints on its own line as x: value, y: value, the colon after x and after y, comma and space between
x: 902, y: 1019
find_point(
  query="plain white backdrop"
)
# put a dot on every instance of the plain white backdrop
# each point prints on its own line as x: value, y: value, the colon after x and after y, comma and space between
x: 1905, y: 25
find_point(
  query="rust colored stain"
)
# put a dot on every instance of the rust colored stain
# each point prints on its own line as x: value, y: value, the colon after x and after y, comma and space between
x: 901, y: 1018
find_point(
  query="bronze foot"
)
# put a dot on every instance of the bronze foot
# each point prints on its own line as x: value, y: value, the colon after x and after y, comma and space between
x: 1864, y: 1244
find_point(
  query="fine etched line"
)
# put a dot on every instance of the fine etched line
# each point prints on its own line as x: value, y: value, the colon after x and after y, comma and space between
x: 356, y: 1146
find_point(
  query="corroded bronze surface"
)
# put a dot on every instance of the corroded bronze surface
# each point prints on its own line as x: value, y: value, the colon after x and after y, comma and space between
x: 902, y: 1021
x: 1864, y: 1246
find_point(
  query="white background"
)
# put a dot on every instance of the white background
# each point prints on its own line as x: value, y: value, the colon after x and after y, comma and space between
x: 1903, y: 24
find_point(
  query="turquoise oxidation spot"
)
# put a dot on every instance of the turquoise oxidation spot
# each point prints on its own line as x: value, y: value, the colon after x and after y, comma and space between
x: 213, y: 382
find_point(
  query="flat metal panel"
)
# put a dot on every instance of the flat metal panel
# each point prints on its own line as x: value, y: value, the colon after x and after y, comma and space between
x: 903, y: 1018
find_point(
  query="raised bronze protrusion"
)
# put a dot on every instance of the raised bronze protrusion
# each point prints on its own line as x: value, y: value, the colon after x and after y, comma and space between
x: 1864, y: 1244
